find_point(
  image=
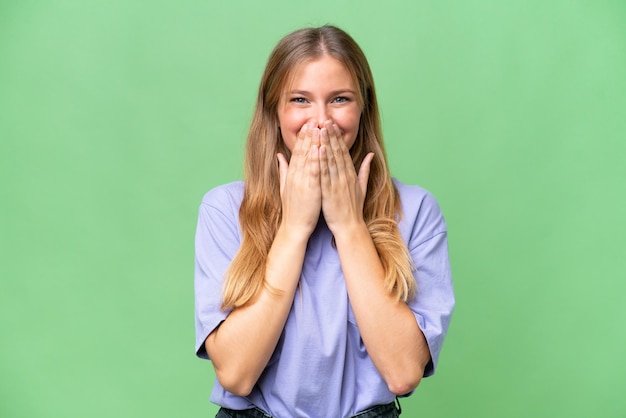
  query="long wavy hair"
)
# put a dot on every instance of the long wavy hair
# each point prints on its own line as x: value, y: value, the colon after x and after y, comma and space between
x: 260, y: 212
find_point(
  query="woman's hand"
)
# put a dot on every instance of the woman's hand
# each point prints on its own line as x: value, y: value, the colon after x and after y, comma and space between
x: 300, y: 189
x: 343, y: 191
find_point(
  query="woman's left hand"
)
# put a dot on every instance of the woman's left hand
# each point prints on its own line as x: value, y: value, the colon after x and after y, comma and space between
x: 343, y: 191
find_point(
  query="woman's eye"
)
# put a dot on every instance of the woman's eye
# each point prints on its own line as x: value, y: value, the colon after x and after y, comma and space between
x: 298, y: 100
x: 340, y: 99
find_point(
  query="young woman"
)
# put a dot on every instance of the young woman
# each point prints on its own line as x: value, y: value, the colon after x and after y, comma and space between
x: 322, y: 285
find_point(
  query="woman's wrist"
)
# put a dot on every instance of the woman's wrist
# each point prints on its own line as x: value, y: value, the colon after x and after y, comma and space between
x: 351, y: 232
x: 294, y: 235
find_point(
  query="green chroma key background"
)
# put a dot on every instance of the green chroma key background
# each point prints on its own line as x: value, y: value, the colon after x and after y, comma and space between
x: 116, y: 116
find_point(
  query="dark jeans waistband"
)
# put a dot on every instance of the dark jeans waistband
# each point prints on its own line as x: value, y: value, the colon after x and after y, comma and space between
x: 390, y: 410
x: 241, y: 413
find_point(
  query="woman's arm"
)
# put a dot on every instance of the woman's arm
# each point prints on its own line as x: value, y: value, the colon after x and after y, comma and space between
x: 388, y: 327
x: 244, y: 342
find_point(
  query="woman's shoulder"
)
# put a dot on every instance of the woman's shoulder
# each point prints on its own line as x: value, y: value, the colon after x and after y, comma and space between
x: 420, y: 209
x: 229, y: 194
x: 412, y: 195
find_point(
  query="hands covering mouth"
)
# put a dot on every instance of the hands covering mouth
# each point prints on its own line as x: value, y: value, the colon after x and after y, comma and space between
x: 321, y: 176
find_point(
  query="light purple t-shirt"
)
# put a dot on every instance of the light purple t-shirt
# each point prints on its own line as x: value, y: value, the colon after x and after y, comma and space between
x: 320, y: 367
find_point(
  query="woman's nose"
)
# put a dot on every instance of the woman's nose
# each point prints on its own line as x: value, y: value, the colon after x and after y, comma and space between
x: 322, y: 115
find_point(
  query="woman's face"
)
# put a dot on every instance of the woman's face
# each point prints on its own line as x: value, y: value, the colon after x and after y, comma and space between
x: 321, y: 90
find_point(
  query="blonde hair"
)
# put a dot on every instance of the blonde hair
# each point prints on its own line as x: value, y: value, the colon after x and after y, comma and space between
x: 261, y: 210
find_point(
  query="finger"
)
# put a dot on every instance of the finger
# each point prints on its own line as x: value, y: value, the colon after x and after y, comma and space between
x: 313, y: 154
x: 338, y: 145
x: 314, y: 166
x: 324, y: 169
x: 364, y: 172
x: 339, y: 136
x: 310, y: 132
x: 302, y: 146
x: 305, y: 128
x: 315, y: 139
x: 283, y: 166
x: 333, y: 136
x: 332, y: 171
x: 312, y: 161
x: 324, y: 139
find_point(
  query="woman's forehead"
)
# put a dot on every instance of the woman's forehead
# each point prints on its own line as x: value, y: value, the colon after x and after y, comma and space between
x: 297, y: 69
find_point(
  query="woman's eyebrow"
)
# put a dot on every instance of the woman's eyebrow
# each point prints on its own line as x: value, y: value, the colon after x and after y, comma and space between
x: 332, y: 93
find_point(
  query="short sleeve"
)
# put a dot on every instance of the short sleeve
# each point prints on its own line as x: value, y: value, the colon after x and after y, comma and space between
x: 428, y: 246
x: 216, y: 243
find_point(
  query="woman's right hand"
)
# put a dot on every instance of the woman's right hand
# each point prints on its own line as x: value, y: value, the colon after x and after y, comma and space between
x: 300, y: 189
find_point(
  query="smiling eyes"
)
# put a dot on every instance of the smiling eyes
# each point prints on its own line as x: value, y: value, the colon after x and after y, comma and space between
x: 303, y: 100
